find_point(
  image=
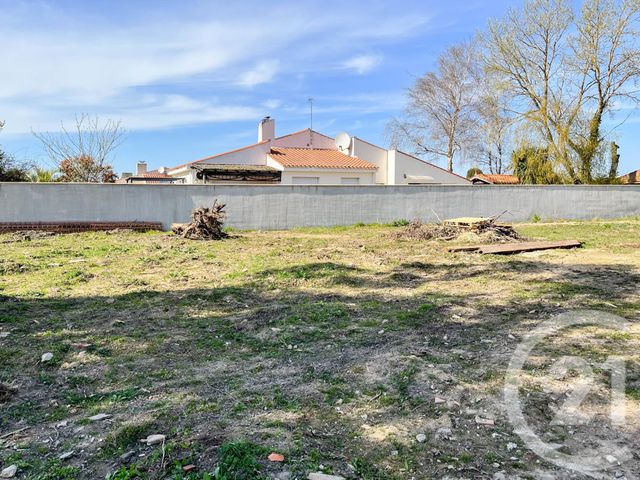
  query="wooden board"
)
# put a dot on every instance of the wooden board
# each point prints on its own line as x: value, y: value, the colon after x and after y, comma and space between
x: 510, y: 248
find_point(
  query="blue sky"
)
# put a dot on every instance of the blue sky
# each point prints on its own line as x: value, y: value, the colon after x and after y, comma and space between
x: 193, y: 78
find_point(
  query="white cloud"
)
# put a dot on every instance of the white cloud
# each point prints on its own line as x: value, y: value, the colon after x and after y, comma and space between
x: 162, y: 68
x: 262, y: 72
x: 362, y: 64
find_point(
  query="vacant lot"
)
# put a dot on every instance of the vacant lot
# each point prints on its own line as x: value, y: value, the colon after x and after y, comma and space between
x: 335, y: 347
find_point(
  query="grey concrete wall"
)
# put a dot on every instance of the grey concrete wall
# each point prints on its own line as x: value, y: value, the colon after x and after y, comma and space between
x: 287, y: 206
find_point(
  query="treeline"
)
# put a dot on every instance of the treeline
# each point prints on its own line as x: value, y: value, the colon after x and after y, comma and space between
x: 531, y: 93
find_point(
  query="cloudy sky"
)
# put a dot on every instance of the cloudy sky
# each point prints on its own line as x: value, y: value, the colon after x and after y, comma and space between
x: 193, y: 78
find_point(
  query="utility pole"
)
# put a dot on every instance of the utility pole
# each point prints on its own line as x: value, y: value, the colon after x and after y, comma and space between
x: 310, y: 121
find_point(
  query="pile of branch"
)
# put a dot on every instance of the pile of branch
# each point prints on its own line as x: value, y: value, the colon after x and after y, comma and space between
x: 206, y: 224
x: 486, y: 229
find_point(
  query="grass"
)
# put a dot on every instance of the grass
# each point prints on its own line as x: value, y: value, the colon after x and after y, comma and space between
x: 328, y: 345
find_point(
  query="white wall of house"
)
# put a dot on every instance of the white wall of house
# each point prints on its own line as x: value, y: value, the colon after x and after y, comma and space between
x: 406, y: 165
x: 328, y: 176
x: 304, y: 140
x: 372, y: 154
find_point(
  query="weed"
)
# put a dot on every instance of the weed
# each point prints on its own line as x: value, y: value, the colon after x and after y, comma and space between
x: 238, y: 461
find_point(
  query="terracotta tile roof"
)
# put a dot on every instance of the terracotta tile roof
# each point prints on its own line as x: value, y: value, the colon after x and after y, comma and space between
x: 631, y: 177
x: 149, y: 177
x: 317, y: 158
x: 497, y: 179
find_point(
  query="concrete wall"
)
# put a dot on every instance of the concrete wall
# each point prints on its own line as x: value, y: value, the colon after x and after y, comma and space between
x: 287, y: 206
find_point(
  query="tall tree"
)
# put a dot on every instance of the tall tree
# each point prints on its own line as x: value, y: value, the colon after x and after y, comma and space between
x: 493, y: 128
x: 565, y: 71
x: 83, y: 153
x: 439, y: 115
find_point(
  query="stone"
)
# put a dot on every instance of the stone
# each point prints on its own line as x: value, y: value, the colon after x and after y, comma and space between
x: 439, y: 400
x: 189, y: 468
x: 9, y: 472
x: 324, y: 476
x: 421, y: 438
x: 62, y: 424
x: 46, y: 357
x: 611, y: 459
x: 276, y: 457
x: 443, y: 432
x: 283, y: 476
x: 126, y: 457
x: 511, y: 446
x: 484, y: 421
x: 154, y: 439
x: 99, y: 417
x: 4, y: 334
x: 66, y: 455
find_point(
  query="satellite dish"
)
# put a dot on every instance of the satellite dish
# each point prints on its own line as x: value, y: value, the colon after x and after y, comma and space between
x: 343, y: 141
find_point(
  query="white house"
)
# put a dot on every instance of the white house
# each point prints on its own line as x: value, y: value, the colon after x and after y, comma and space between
x: 309, y: 157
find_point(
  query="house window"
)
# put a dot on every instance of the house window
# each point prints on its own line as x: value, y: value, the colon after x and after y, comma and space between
x: 350, y: 181
x: 305, y: 180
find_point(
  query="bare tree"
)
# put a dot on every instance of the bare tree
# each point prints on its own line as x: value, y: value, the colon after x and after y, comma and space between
x: 439, y: 114
x: 494, y: 122
x: 565, y: 72
x: 83, y: 153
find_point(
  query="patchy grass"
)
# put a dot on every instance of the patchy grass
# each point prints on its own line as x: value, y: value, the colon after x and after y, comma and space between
x: 328, y: 345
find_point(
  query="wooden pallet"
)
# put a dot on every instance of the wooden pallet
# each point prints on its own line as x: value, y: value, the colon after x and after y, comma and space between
x: 511, y: 248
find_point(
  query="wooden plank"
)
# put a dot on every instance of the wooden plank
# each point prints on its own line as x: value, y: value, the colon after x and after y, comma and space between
x: 464, y: 248
x: 509, y: 248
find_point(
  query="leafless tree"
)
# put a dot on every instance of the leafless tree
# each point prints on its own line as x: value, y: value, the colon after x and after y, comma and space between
x: 439, y: 115
x: 83, y: 153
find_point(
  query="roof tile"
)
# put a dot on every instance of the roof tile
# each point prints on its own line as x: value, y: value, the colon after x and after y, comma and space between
x: 317, y: 158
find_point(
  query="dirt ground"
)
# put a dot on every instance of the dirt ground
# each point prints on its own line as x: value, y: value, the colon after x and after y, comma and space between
x: 346, y: 350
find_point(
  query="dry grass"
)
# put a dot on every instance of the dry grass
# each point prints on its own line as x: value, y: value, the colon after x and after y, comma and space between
x: 327, y: 345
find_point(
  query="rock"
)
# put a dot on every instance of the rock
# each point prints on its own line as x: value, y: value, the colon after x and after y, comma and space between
x: 421, y: 438
x: 99, y: 417
x: 4, y: 334
x: 275, y: 457
x: 189, y: 468
x: 484, y: 421
x: 511, y: 446
x: 66, y: 455
x: 283, y: 476
x: 62, y: 424
x: 324, y: 476
x: 499, y: 476
x: 439, y: 400
x: 126, y: 457
x: 443, y: 432
x: 154, y: 439
x: 46, y: 357
x: 611, y: 459
x: 9, y: 472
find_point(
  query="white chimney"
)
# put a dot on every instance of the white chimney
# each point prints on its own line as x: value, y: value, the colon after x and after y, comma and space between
x: 266, y: 129
x: 141, y: 168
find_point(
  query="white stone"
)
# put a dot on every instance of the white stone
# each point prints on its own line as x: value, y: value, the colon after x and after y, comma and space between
x: 9, y: 472
x: 99, y: 417
x: 421, y: 438
x: 511, y: 446
x: 324, y: 476
x: 66, y: 455
x: 46, y: 357
x: 611, y: 459
x: 154, y: 439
